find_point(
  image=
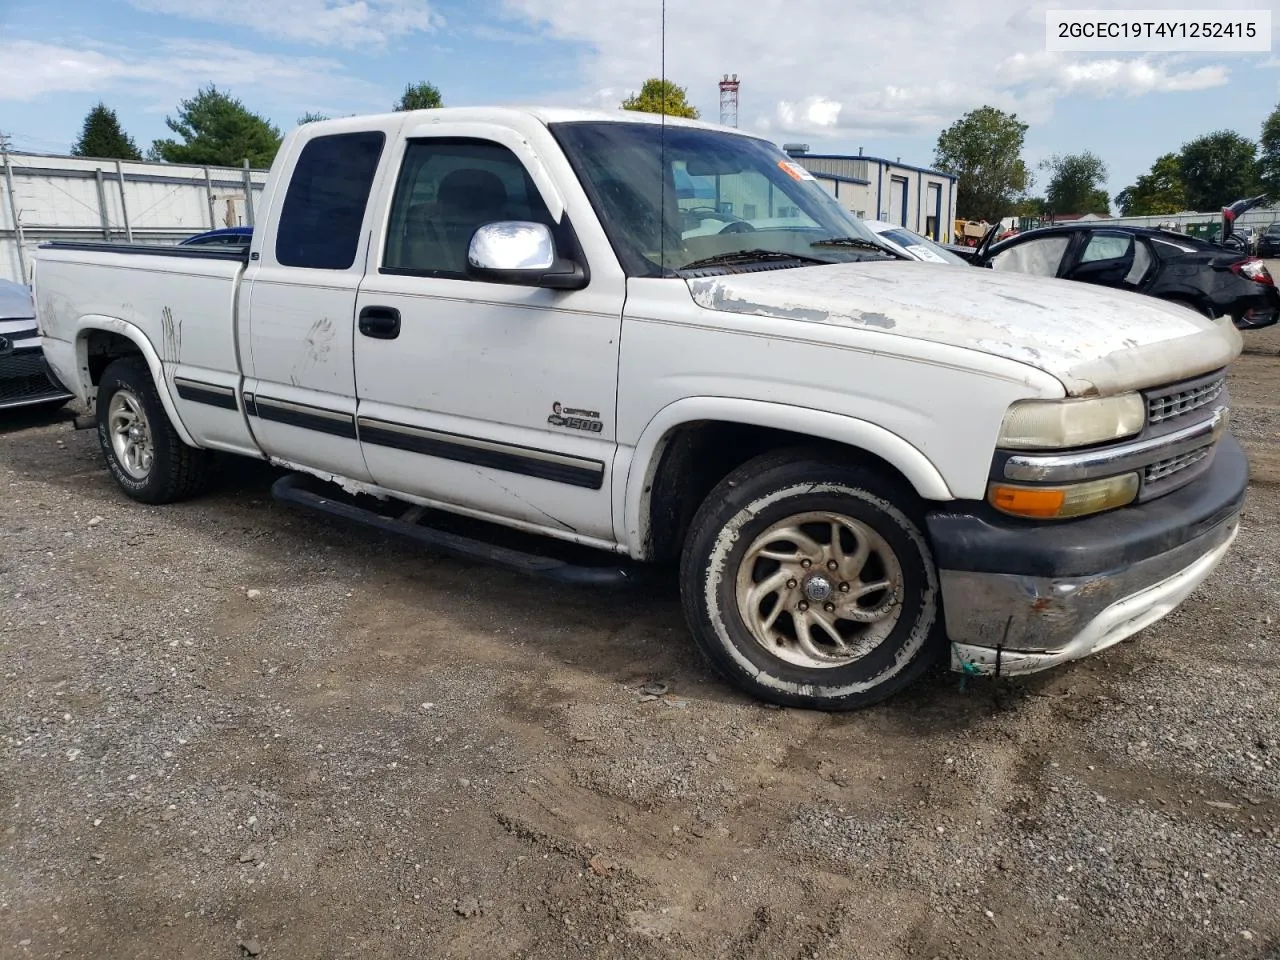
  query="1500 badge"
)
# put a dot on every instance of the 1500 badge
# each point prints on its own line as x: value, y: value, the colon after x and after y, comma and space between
x: 575, y: 418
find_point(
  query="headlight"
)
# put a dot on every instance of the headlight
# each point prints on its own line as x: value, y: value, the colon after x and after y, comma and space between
x: 1067, y: 500
x: 1059, y: 424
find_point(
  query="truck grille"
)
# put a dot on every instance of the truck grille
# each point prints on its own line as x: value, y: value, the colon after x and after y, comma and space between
x: 1175, y: 403
x: 1162, y: 469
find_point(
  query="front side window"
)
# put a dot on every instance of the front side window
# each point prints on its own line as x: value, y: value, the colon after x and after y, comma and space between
x: 446, y: 191
x: 324, y: 206
x: 672, y: 197
x: 1041, y: 256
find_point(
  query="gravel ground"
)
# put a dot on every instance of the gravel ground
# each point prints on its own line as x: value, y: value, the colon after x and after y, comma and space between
x: 233, y: 730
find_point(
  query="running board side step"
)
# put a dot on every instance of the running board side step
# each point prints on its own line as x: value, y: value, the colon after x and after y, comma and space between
x: 298, y: 489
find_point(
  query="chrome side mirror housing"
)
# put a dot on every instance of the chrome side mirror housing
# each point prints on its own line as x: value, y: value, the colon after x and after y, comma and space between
x: 523, y: 253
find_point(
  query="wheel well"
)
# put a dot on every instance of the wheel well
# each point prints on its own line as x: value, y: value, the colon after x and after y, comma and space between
x: 1189, y: 300
x: 698, y: 455
x: 103, y: 346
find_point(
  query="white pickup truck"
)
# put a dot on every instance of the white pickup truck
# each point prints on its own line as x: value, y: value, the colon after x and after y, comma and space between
x: 665, y: 341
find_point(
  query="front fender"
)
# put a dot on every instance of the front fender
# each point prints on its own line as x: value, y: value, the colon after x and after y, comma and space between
x: 862, y: 434
x: 91, y: 322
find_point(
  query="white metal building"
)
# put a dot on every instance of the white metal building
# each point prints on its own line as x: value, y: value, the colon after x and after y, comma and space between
x: 48, y: 197
x: 873, y: 188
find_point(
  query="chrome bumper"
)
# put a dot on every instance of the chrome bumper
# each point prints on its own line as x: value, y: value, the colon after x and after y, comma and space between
x: 1009, y: 624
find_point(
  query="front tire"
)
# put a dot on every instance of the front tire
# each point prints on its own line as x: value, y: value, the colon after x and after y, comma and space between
x: 807, y: 582
x: 143, y: 452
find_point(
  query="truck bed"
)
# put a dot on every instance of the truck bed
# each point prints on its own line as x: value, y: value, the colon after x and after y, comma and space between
x: 182, y: 301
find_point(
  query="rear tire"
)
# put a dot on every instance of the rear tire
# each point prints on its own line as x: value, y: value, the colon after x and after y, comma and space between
x: 143, y: 451
x: 807, y: 582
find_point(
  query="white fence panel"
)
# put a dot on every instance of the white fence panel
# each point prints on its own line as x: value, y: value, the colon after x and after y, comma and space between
x: 49, y: 197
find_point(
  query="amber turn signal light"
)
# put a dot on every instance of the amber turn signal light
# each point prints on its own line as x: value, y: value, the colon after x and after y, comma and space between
x: 1068, y: 500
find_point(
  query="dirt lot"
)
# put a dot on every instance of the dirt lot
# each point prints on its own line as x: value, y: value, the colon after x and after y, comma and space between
x: 232, y: 729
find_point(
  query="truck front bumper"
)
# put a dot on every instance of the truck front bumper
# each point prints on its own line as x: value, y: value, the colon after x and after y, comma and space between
x: 1019, y: 597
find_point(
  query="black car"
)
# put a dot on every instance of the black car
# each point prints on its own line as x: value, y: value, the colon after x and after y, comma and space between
x: 1203, y: 276
x: 1269, y: 241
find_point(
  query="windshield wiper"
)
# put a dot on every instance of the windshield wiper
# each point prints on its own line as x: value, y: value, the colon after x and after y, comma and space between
x: 748, y: 256
x: 854, y: 242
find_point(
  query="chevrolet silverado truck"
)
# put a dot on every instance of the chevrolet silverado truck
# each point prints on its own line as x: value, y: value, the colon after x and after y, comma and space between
x: 661, y: 342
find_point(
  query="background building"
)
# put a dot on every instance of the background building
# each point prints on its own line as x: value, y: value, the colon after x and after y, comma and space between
x: 873, y: 188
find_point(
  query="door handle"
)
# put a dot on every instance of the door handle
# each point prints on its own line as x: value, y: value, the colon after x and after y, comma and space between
x: 381, y: 323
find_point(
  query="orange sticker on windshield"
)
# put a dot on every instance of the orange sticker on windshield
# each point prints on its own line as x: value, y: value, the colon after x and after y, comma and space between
x: 795, y: 171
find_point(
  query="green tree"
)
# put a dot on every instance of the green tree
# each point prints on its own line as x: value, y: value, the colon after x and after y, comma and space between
x: 311, y: 118
x: 1156, y: 192
x: 218, y: 129
x: 102, y: 136
x: 1219, y: 168
x: 1076, y: 183
x: 419, y: 96
x: 1029, y: 207
x: 1269, y: 160
x: 983, y: 149
x: 661, y: 96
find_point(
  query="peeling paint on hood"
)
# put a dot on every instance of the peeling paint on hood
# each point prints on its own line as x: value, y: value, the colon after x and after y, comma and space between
x: 1093, y: 339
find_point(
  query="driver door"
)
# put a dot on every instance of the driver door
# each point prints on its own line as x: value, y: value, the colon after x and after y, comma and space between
x: 490, y: 397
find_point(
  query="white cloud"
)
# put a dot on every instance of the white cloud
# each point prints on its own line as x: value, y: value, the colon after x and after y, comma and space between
x: 176, y: 68
x: 1106, y: 76
x: 30, y: 69
x: 343, y: 23
x: 858, y: 68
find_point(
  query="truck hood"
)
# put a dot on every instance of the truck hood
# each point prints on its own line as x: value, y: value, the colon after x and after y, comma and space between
x: 1094, y: 340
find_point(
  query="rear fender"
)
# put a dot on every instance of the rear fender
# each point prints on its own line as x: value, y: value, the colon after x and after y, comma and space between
x: 91, y: 322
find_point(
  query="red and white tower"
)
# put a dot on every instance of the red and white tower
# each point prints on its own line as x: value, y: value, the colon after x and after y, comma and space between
x: 729, y: 101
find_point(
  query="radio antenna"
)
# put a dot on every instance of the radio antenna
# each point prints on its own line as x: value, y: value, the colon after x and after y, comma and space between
x: 662, y: 145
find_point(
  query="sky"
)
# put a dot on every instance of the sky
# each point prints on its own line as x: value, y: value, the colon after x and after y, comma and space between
x: 836, y: 74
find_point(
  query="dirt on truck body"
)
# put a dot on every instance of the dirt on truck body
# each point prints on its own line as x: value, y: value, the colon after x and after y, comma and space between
x: 232, y: 730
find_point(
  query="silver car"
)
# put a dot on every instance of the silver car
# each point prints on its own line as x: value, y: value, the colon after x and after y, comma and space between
x: 24, y: 378
x: 911, y: 244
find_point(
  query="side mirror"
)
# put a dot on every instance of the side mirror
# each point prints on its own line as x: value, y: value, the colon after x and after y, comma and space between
x: 523, y: 253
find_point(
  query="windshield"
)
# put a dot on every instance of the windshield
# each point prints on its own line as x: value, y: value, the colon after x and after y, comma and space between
x: 717, y: 195
x: 922, y: 248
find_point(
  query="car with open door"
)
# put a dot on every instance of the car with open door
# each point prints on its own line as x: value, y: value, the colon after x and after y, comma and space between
x: 1205, y: 277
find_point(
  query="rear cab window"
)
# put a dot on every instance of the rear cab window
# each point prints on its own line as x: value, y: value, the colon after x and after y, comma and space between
x: 324, y: 205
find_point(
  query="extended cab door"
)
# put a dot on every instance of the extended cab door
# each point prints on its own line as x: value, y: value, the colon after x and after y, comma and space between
x: 300, y: 294
x: 494, y: 398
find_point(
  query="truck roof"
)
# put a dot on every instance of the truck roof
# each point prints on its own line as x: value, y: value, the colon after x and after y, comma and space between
x: 544, y: 115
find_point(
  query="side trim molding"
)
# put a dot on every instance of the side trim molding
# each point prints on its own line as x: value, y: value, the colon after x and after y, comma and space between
x: 301, y: 415
x: 213, y: 394
x: 511, y: 458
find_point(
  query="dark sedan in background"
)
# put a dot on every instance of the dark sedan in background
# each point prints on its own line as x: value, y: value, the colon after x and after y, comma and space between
x: 1203, y: 276
x: 1269, y: 241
